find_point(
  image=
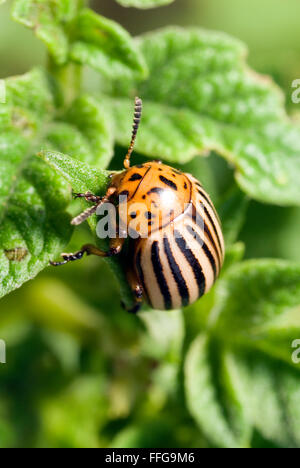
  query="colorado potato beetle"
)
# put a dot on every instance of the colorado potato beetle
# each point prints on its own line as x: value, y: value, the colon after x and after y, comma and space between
x: 178, y: 250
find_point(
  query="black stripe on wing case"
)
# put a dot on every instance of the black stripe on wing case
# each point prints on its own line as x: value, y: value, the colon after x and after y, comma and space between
x: 195, y: 215
x: 214, y: 227
x: 192, y: 260
x: 141, y: 273
x: 204, y: 247
x: 209, y: 202
x: 176, y: 272
x: 161, y: 280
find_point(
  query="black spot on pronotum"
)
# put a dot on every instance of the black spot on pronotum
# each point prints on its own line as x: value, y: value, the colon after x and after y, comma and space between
x: 168, y: 182
x: 148, y: 215
x: 17, y: 254
x: 185, y: 185
x: 133, y: 215
x: 123, y: 194
x: 135, y: 177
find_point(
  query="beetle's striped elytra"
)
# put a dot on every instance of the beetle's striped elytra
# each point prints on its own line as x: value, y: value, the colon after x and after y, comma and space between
x: 178, y: 252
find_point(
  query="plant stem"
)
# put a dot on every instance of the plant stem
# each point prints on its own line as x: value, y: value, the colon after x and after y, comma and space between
x: 69, y: 78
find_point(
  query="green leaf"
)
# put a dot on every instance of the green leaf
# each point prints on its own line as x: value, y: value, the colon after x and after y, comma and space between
x: 254, y: 293
x: 104, y: 45
x: 49, y: 19
x: 273, y: 393
x: 246, y: 391
x: 144, y: 3
x: 80, y: 176
x: 232, y: 212
x: 34, y: 225
x: 84, y: 132
x: 233, y: 254
x: 83, y: 405
x: 202, y: 398
x: 83, y: 178
x: 33, y: 198
x: 198, y: 316
x: 234, y: 387
x: 162, y: 133
x: 202, y: 170
x: 201, y: 96
x: 165, y: 334
x: 147, y: 434
x: 240, y: 376
x: 62, y: 309
x: 7, y: 434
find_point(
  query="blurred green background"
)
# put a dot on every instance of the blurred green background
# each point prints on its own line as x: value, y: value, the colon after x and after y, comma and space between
x: 80, y: 371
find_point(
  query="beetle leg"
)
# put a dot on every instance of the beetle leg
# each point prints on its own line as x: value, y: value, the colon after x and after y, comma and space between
x: 95, y: 199
x: 88, y: 196
x: 137, y: 290
x: 89, y: 249
x: 116, y: 245
x: 69, y: 258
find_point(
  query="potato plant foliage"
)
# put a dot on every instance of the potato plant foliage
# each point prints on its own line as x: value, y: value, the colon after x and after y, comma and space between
x: 225, y: 361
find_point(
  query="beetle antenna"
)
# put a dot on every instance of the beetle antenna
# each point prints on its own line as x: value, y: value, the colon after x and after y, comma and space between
x: 136, y: 122
x: 93, y: 209
x: 85, y: 215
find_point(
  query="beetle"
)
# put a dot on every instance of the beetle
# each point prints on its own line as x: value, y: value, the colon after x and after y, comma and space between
x: 178, y: 252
